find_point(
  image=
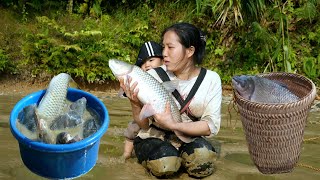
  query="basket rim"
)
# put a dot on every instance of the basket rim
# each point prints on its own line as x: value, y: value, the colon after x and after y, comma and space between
x: 310, y: 94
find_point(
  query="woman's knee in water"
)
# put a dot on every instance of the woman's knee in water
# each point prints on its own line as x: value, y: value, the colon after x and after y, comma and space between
x: 160, y: 157
x: 198, y: 157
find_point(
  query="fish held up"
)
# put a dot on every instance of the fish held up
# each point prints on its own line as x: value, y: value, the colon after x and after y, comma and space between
x: 152, y: 94
x: 262, y: 90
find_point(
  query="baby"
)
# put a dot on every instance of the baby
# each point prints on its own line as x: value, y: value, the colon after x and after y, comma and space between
x: 149, y: 57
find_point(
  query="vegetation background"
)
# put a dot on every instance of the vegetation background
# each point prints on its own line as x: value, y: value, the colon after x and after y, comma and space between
x: 41, y: 38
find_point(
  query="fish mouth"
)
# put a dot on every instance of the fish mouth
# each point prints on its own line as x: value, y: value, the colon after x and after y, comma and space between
x: 237, y: 81
x: 236, y: 78
x: 118, y: 68
x: 240, y: 81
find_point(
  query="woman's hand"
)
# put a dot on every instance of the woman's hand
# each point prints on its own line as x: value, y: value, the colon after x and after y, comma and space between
x: 132, y: 94
x: 165, y: 118
x: 131, y: 91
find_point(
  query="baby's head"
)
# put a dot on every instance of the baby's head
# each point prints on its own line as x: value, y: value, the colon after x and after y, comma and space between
x: 150, y: 56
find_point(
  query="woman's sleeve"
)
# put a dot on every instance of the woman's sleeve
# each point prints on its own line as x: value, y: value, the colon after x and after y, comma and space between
x: 212, y: 106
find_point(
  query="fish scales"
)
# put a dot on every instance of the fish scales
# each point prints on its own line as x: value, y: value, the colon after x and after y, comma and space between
x: 151, y: 92
x: 275, y: 92
x: 260, y: 89
x: 54, y: 100
x: 151, y: 89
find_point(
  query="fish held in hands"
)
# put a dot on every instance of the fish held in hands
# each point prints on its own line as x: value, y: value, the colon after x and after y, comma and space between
x: 152, y: 94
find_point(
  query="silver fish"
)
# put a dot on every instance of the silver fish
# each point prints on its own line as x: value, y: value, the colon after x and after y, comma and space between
x: 72, y: 118
x: 51, y: 106
x: 54, y: 100
x: 263, y: 90
x: 152, y: 93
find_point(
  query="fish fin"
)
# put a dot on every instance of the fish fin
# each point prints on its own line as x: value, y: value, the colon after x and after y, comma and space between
x: 73, y: 84
x: 170, y: 86
x: 37, y: 118
x: 182, y: 137
x: 147, y: 111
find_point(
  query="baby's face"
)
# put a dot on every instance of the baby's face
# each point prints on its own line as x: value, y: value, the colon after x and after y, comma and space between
x: 151, y: 63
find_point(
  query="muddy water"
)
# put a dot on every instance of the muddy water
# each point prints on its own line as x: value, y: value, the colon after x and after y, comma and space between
x: 233, y: 163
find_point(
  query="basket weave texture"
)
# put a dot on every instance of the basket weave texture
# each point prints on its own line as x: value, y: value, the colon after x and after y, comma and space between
x: 274, y: 132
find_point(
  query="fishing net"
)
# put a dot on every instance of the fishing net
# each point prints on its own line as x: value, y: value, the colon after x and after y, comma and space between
x: 274, y: 132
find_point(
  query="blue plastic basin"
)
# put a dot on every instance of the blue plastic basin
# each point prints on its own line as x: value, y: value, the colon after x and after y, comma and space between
x: 60, y: 161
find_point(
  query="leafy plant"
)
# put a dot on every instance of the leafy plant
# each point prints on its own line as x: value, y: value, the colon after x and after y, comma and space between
x: 311, y: 67
x: 83, y: 53
x: 4, y: 60
x: 6, y: 64
x: 243, y: 37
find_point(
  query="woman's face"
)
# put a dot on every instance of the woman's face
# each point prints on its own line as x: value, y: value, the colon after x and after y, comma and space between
x: 174, y: 53
x: 151, y: 63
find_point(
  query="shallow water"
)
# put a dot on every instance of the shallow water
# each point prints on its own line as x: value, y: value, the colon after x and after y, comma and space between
x: 234, y: 161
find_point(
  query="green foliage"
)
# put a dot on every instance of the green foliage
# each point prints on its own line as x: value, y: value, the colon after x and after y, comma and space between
x: 311, y: 66
x: 262, y: 36
x: 82, y: 47
x: 83, y: 53
x: 308, y: 10
x: 4, y: 60
x: 6, y: 64
x: 91, y: 8
x: 243, y: 37
x: 226, y: 9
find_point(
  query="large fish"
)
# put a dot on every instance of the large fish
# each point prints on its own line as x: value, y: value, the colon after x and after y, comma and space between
x: 152, y: 93
x: 51, y: 106
x: 54, y: 100
x: 263, y: 90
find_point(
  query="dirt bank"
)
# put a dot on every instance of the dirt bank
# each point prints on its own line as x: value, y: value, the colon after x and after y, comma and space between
x: 13, y: 85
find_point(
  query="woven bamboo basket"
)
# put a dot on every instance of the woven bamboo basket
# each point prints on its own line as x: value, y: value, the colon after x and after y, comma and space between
x: 274, y: 132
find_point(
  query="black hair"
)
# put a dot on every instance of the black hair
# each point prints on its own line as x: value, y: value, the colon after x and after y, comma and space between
x: 190, y: 35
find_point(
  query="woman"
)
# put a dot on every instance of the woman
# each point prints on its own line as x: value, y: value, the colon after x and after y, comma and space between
x: 155, y: 147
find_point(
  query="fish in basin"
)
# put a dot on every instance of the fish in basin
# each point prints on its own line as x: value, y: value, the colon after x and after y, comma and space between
x: 53, y: 102
x: 90, y: 127
x: 38, y: 118
x: 262, y: 90
x: 51, y: 106
x: 27, y: 117
x: 66, y: 138
x: 56, y: 119
x: 72, y: 118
